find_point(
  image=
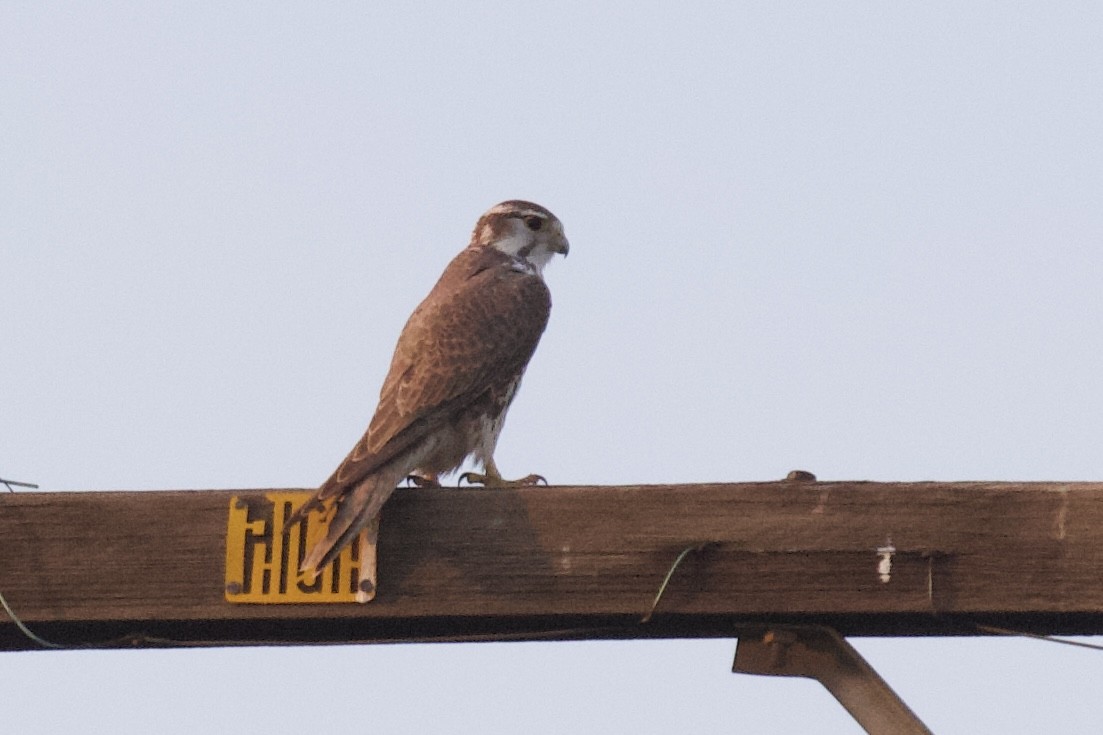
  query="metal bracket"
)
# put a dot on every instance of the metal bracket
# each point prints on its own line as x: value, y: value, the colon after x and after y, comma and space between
x: 820, y: 653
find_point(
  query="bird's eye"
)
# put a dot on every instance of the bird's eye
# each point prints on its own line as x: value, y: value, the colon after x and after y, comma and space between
x: 534, y: 223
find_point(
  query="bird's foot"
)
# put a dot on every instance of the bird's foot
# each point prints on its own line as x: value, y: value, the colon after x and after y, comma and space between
x: 493, y: 479
x: 422, y: 481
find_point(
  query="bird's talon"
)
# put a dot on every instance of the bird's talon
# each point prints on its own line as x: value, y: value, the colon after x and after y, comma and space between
x: 493, y: 480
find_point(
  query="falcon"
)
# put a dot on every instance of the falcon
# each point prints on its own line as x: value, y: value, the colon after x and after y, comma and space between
x: 455, y: 371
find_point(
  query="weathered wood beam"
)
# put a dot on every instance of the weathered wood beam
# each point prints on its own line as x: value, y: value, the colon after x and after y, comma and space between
x: 148, y: 568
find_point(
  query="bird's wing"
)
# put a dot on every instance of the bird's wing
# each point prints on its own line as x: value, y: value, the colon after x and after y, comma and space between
x: 481, y: 321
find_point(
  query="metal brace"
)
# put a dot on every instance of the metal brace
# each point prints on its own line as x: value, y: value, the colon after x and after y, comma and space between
x: 820, y: 653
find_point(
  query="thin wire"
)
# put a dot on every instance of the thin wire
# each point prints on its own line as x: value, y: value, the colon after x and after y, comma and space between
x: 670, y: 573
x: 11, y: 489
x: 3, y: 602
x: 25, y: 630
x: 992, y: 628
x: 1036, y: 636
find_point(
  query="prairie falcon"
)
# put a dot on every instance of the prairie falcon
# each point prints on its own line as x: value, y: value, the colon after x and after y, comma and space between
x: 455, y: 371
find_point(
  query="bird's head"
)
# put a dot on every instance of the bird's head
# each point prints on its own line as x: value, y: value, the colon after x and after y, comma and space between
x: 523, y: 230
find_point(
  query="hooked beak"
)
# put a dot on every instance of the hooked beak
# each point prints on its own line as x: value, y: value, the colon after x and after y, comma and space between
x: 560, y: 245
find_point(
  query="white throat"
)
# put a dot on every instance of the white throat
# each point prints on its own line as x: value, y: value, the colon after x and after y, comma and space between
x: 532, y: 262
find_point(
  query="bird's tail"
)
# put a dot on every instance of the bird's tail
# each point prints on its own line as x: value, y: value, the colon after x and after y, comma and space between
x: 354, y: 509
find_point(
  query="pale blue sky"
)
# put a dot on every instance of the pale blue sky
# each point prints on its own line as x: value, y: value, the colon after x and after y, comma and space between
x: 864, y: 239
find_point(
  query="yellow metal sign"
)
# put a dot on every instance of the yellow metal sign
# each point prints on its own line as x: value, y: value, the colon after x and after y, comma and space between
x: 263, y: 555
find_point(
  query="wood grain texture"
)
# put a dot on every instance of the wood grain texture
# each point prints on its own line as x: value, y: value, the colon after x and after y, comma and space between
x: 578, y: 562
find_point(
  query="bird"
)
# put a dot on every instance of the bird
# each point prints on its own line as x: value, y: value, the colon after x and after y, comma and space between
x: 455, y: 371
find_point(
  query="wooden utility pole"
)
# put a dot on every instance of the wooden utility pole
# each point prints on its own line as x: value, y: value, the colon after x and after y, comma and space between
x: 171, y: 568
